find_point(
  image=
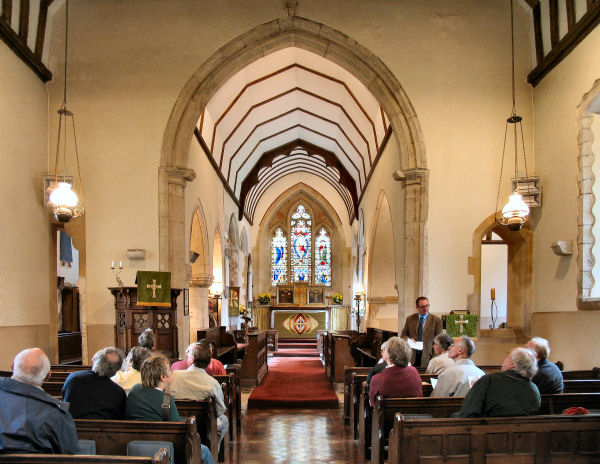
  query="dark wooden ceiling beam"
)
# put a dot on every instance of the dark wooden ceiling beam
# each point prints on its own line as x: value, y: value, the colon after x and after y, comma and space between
x: 570, y: 4
x: 537, y: 31
x: 41, y: 28
x: 554, y: 34
x: 7, y: 11
x: 20, y: 48
x: 24, y: 20
x: 584, y: 26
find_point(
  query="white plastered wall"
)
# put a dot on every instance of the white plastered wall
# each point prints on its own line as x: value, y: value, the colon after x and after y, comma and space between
x: 25, y: 236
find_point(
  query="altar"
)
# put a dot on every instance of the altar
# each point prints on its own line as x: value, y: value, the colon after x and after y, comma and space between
x: 300, y: 311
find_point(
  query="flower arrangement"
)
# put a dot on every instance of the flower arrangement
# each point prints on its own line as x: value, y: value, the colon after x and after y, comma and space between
x: 264, y: 298
x: 337, y: 298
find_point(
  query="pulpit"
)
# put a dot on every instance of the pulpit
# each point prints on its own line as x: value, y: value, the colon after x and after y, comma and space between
x: 132, y: 320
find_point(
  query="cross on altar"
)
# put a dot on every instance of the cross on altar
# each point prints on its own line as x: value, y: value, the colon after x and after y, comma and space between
x: 462, y: 323
x: 154, y: 287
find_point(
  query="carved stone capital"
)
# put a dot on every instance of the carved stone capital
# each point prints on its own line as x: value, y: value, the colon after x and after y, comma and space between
x: 177, y: 175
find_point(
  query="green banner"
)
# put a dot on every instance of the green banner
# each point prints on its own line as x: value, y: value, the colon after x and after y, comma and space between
x: 154, y: 288
x: 458, y: 325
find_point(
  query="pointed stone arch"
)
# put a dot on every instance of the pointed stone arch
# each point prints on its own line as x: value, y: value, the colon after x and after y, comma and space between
x: 332, y: 45
x: 519, y: 278
x: 382, y: 294
x: 201, y: 275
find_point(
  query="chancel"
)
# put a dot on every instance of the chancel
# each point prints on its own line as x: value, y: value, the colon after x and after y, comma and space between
x: 284, y: 179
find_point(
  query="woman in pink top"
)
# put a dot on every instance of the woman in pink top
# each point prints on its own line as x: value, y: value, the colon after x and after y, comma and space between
x: 398, y: 379
x: 215, y: 366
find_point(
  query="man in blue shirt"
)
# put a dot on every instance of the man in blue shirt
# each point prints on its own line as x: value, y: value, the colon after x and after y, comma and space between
x: 422, y: 327
x: 548, y: 379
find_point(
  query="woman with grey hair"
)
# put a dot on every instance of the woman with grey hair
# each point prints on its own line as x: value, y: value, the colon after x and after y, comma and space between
x: 399, y: 379
x: 441, y: 361
x: 131, y: 375
x: 507, y: 393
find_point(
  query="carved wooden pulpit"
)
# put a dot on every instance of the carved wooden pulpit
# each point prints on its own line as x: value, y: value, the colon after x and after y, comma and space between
x: 132, y: 320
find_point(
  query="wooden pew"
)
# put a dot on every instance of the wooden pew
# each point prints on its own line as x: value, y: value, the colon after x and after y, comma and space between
x: 206, y: 418
x: 532, y: 439
x: 225, y: 344
x: 112, y: 436
x: 235, y: 370
x: 385, y: 409
x: 161, y: 457
x: 368, y: 346
x: 254, y: 365
x: 350, y: 373
x: 340, y: 355
x: 593, y: 373
x: 581, y: 386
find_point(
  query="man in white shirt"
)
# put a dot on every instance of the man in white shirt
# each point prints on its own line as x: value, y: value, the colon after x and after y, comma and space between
x: 457, y: 379
x: 195, y: 384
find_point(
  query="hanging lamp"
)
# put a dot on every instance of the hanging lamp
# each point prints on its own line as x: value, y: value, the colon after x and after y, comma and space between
x: 64, y: 201
x: 516, y: 212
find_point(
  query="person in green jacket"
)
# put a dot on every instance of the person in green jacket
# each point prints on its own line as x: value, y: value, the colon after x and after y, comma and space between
x: 145, y: 399
x: 507, y: 393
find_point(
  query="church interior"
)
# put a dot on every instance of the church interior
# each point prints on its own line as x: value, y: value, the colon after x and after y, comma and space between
x: 354, y: 154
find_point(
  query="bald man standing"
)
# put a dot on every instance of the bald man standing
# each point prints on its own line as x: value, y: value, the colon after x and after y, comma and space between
x: 31, y: 421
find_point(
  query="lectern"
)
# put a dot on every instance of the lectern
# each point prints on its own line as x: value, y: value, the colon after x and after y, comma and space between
x: 131, y: 320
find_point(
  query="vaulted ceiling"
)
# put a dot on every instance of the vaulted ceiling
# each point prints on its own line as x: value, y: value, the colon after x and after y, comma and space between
x: 292, y: 112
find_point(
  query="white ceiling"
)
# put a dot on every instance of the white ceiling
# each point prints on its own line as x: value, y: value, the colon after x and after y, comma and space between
x: 289, y: 112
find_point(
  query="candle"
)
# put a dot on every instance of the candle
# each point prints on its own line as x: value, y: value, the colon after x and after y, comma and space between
x: 120, y: 264
x: 493, y: 293
x: 112, y: 264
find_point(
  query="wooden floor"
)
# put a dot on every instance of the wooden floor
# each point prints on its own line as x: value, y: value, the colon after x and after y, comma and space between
x: 294, y: 436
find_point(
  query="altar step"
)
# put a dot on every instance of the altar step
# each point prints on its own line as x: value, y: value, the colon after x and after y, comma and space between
x: 301, y: 347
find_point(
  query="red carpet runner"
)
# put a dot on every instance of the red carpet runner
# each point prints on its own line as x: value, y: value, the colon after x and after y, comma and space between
x: 294, y: 383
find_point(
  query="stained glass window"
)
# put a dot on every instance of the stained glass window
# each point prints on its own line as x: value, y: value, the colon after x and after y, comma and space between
x: 301, y: 239
x: 322, y: 258
x: 279, y: 260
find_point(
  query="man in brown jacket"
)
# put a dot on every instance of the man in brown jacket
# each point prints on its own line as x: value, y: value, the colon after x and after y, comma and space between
x: 422, y: 327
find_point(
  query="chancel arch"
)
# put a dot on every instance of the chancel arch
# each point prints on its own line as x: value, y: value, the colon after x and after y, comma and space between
x: 519, y: 298
x: 382, y: 296
x: 338, y: 48
x: 216, y: 289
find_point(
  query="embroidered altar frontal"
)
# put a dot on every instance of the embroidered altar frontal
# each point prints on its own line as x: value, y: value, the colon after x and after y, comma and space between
x: 296, y: 324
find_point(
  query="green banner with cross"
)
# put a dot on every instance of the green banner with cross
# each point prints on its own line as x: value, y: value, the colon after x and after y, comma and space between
x: 458, y: 325
x: 153, y: 288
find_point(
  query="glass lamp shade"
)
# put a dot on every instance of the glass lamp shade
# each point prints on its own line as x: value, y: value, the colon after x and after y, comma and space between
x: 63, y: 200
x: 516, y: 212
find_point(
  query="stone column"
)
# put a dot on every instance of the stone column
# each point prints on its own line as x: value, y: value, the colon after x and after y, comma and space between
x: 415, y: 211
x: 171, y: 230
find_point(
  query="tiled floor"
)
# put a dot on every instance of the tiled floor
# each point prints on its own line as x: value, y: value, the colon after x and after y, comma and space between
x: 293, y: 436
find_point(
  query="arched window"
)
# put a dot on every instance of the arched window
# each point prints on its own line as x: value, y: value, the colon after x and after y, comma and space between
x: 322, y: 258
x: 279, y: 261
x: 301, y: 239
x: 302, y: 265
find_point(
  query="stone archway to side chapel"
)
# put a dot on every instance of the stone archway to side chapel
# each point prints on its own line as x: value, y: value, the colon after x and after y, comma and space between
x: 340, y: 49
x: 519, y: 278
x: 201, y: 276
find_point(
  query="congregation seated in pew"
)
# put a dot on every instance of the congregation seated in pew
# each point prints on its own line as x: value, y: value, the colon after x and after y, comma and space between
x: 398, y: 379
x: 32, y: 421
x: 131, y: 375
x: 195, y: 384
x: 456, y: 380
x: 441, y: 360
x: 91, y: 393
x: 148, y: 401
x: 509, y: 392
x: 548, y: 379
x: 215, y: 366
